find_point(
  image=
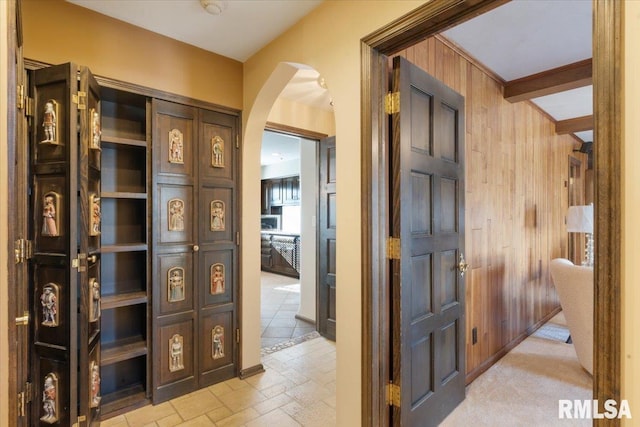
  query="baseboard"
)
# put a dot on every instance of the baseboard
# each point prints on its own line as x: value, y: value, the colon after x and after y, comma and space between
x: 249, y: 372
x: 471, y: 376
x: 305, y: 319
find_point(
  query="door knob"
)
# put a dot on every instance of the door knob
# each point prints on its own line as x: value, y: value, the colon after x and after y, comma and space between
x: 462, y: 265
x: 196, y: 248
x: 92, y: 259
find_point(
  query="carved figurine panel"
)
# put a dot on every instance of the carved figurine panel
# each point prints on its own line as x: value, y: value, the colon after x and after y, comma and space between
x: 217, y: 215
x: 51, y: 214
x: 217, y: 152
x: 175, y: 284
x: 96, y: 214
x: 217, y: 279
x: 94, y: 300
x: 176, y: 147
x: 175, y: 208
x: 94, y: 384
x: 49, y: 303
x: 176, y: 353
x: 217, y: 342
x: 96, y: 130
x: 50, y: 392
x: 50, y: 123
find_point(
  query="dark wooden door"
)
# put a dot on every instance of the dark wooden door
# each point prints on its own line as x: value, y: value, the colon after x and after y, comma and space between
x: 327, y: 239
x: 427, y: 214
x: 65, y: 179
x: 195, y: 253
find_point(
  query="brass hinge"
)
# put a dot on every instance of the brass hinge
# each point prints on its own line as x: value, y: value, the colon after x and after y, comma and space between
x: 393, y: 395
x: 237, y: 335
x: 237, y: 141
x: 20, y: 96
x: 81, y: 99
x: 27, y: 390
x: 76, y: 263
x: 237, y: 238
x: 23, y: 250
x: 392, y: 103
x: 28, y: 110
x: 21, y: 405
x: 23, y: 320
x: 393, y: 248
x: 81, y: 419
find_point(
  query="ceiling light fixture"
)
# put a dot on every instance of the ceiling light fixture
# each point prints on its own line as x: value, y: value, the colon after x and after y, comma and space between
x: 214, y: 7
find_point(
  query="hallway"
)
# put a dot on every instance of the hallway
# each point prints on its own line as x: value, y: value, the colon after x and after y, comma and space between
x: 298, y: 389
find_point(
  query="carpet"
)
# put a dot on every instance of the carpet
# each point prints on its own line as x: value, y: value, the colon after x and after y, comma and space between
x: 523, y: 388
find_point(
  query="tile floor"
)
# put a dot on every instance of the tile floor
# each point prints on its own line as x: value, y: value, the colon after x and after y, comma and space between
x: 280, y: 301
x: 297, y: 389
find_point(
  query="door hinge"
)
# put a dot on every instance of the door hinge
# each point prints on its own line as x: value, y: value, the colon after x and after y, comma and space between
x: 393, y: 395
x: 23, y: 320
x: 393, y: 248
x: 81, y: 419
x: 237, y: 335
x: 27, y: 390
x: 237, y: 238
x: 24, y: 397
x: 28, y: 104
x: 81, y: 99
x: 76, y: 263
x: 20, y: 96
x: 237, y: 141
x: 392, y: 103
x: 23, y: 250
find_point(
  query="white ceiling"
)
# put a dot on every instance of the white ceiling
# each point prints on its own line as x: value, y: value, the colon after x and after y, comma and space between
x: 520, y: 38
x: 242, y: 29
x: 525, y: 37
x: 278, y: 147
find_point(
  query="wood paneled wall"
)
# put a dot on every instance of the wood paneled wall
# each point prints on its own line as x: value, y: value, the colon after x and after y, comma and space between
x: 516, y: 201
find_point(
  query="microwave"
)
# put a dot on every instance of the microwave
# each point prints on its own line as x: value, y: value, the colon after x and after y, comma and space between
x: 270, y: 222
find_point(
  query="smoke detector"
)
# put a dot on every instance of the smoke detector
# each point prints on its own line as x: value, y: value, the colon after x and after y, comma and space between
x: 214, y: 7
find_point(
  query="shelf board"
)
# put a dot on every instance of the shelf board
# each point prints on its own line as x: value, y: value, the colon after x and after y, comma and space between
x: 119, y: 351
x: 123, y: 401
x: 123, y: 141
x: 124, y: 247
x: 123, y: 300
x: 122, y: 195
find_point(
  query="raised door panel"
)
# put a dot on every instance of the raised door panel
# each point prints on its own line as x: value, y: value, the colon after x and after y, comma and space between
x: 175, y: 245
x: 427, y: 215
x: 218, y: 256
x: 65, y: 180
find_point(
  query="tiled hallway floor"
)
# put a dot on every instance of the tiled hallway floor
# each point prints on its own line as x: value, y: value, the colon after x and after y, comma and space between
x: 280, y: 300
x: 297, y: 389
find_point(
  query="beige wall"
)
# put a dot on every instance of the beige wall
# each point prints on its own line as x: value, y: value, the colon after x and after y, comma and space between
x: 4, y: 288
x: 56, y: 32
x: 328, y: 40
x: 630, y: 213
x: 291, y: 113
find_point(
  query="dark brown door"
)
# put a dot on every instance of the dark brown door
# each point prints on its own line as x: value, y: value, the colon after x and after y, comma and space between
x: 195, y: 255
x: 427, y: 214
x: 18, y: 202
x: 327, y: 240
x: 65, y: 178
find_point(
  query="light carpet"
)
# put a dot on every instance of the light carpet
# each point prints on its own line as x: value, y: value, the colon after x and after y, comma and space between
x: 523, y: 388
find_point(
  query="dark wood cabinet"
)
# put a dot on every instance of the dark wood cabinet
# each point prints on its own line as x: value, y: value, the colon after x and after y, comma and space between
x: 280, y: 253
x: 280, y: 192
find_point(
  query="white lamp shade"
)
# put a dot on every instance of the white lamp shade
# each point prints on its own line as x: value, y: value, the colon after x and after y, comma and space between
x: 580, y: 219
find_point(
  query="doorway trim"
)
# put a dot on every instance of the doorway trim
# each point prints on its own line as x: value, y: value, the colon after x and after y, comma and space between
x: 428, y: 20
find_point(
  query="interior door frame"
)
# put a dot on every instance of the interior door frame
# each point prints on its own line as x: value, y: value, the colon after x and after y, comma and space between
x: 430, y: 19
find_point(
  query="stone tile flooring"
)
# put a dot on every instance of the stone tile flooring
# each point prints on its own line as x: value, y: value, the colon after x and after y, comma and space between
x: 280, y: 300
x: 298, y: 388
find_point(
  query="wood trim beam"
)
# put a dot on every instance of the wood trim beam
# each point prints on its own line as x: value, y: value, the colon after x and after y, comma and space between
x: 578, y: 124
x: 548, y: 82
x: 426, y: 21
x: 294, y: 131
x: 607, y: 83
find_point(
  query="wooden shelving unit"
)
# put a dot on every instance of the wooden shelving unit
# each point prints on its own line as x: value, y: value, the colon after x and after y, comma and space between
x: 125, y: 356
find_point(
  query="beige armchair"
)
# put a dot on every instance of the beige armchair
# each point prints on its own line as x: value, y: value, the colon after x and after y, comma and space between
x: 574, y: 284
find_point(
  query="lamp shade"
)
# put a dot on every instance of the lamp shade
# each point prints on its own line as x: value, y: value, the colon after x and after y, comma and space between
x: 580, y: 219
